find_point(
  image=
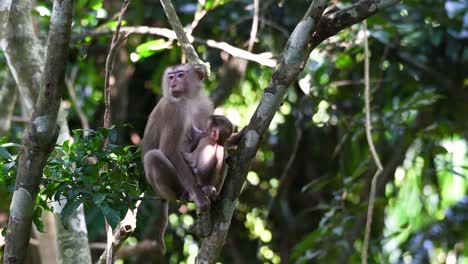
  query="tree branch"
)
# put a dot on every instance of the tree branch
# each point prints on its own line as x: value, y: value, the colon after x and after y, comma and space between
x: 262, y: 59
x: 8, y: 96
x: 303, y: 40
x: 4, y: 13
x: 22, y: 51
x: 117, y: 40
x: 145, y: 246
x: 41, y: 134
x: 253, y: 31
x: 334, y: 22
x: 375, y: 156
x: 292, y: 61
x: 189, y: 51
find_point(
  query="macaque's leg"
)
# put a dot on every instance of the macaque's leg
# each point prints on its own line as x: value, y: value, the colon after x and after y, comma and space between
x: 220, y: 170
x: 190, y: 158
x: 161, y: 174
x: 206, y: 163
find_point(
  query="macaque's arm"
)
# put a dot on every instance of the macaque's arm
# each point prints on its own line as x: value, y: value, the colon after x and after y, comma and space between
x: 234, y: 139
x: 195, y: 136
x: 171, y: 144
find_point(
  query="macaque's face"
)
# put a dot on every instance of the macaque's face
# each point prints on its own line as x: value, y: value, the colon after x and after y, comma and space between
x: 212, y: 130
x: 176, y: 80
x: 183, y: 81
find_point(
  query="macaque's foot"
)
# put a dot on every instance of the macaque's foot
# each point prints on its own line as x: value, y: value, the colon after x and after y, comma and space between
x: 203, y: 226
x: 201, y: 201
x: 210, y: 191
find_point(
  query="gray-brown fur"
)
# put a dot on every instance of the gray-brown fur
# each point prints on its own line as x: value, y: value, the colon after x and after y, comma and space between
x: 167, y: 136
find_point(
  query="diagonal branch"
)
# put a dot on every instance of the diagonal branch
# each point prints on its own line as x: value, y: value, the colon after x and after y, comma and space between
x: 179, y: 30
x: 303, y: 40
x: 334, y: 22
x: 293, y: 59
x: 22, y: 50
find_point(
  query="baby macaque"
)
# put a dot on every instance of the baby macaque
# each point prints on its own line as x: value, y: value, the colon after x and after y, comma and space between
x: 207, y: 160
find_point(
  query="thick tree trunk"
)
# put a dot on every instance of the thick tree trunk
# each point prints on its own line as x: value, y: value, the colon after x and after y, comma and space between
x: 41, y: 134
x: 25, y: 59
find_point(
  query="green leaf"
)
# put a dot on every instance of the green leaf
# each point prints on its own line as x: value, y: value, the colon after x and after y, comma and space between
x: 112, y: 216
x: 98, y: 199
x: 343, y: 61
x: 315, y: 185
x: 151, y: 47
x: 37, y: 219
x: 307, y: 243
x: 209, y: 4
x: 113, y: 136
x: 66, y: 145
x: 7, y: 167
x: 69, y: 208
x: 5, y: 154
x: 439, y: 150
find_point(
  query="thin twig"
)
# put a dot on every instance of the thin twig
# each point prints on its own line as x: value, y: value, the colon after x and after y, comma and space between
x: 264, y: 21
x: 253, y: 31
x: 117, y: 40
x: 196, y: 20
x: 375, y: 156
x: 20, y: 119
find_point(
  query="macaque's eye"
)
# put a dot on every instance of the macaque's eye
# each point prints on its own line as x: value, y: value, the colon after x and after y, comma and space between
x: 170, y: 76
x: 180, y: 75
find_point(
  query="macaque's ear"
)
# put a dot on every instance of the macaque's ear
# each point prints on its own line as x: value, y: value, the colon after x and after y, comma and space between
x: 200, y: 72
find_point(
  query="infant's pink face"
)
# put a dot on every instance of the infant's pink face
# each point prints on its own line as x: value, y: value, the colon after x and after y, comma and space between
x: 212, y: 131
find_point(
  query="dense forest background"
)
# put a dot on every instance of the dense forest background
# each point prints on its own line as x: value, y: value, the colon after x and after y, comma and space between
x: 306, y: 194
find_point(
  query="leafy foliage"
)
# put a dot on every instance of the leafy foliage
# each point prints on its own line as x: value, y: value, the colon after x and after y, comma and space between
x: 82, y: 172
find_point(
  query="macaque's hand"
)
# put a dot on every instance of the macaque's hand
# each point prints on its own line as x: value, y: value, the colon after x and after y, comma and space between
x: 235, y: 138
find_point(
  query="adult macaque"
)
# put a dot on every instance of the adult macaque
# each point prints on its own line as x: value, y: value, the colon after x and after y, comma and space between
x: 207, y: 160
x: 167, y: 137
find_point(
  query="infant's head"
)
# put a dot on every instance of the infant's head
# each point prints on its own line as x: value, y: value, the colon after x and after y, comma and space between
x: 219, y: 128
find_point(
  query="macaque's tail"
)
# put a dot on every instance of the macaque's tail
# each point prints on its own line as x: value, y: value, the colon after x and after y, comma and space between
x: 163, y: 207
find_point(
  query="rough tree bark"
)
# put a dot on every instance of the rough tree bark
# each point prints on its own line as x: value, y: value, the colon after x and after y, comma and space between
x: 310, y: 32
x: 8, y: 97
x: 42, y: 132
x: 25, y: 58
